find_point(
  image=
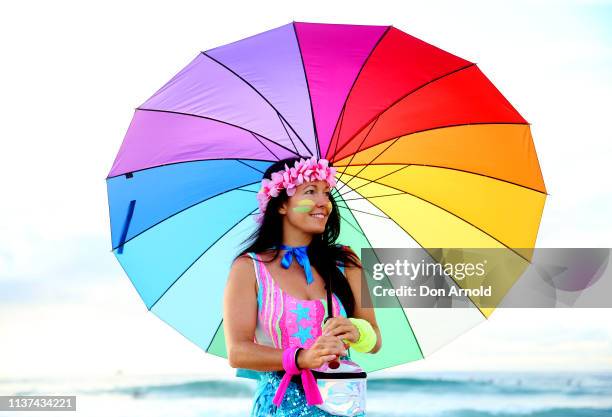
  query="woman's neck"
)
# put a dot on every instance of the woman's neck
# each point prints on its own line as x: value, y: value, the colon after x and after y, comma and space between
x: 294, y: 245
x: 295, y: 237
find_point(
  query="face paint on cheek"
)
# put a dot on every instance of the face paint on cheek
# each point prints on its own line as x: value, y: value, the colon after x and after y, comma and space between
x: 329, y: 206
x: 304, y: 206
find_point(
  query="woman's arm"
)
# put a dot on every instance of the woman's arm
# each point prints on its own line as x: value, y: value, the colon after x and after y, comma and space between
x: 240, y: 320
x: 353, y: 275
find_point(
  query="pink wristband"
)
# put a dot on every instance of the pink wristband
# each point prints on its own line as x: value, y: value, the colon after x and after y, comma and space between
x: 289, y: 360
x: 311, y: 390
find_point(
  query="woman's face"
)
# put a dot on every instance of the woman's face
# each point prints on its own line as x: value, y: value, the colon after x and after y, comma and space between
x: 308, y: 209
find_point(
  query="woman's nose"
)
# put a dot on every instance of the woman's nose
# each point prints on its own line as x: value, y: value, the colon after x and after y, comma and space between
x: 324, y: 203
x: 322, y: 200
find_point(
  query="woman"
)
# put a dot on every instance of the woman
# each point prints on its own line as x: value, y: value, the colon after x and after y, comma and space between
x: 269, y: 306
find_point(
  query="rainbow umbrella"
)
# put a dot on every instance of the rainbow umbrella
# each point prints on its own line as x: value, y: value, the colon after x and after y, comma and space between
x: 429, y: 154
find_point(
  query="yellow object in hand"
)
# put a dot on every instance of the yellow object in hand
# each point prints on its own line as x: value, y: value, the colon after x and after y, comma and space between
x: 367, y: 335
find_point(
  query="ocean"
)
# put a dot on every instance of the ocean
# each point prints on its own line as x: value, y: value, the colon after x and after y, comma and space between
x: 433, y: 394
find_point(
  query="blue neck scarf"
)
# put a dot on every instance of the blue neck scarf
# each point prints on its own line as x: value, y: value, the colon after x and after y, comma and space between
x: 301, y: 256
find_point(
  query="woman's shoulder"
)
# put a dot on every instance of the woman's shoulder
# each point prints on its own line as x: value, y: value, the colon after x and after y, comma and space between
x: 265, y: 256
x: 242, y: 269
x: 241, y: 261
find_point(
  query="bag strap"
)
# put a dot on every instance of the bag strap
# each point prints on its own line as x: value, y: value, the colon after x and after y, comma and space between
x: 330, y: 310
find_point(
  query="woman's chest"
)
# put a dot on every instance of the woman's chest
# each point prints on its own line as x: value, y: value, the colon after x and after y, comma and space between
x: 289, y: 321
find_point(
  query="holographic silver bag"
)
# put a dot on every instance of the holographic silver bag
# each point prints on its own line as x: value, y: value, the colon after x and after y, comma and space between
x: 343, y: 389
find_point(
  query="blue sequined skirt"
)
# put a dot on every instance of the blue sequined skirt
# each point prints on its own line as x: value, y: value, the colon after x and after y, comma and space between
x: 294, y: 402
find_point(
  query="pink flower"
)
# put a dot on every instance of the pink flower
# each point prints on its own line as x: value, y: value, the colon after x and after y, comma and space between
x: 304, y: 170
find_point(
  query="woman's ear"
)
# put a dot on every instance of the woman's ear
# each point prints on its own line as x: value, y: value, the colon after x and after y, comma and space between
x: 283, y: 208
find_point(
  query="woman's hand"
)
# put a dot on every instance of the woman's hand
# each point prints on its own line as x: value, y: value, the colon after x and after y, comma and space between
x: 342, y: 328
x: 324, y: 349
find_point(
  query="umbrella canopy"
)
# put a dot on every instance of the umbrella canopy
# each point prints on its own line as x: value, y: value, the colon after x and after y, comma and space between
x: 429, y: 154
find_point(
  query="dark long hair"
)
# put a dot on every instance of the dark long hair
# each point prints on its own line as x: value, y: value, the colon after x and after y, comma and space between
x: 323, y: 251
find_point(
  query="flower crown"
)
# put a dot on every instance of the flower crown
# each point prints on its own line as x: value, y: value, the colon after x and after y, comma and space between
x: 304, y: 170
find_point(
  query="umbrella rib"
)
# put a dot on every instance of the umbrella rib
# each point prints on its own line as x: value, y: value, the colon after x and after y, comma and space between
x: 261, y: 95
x: 341, y: 116
x: 340, y: 121
x: 355, y: 153
x: 353, y: 226
x: 436, y: 128
x: 372, y: 196
x: 433, y: 80
x: 244, y: 163
x: 218, y: 121
x: 413, y: 238
x: 262, y: 144
x: 371, y: 181
x: 183, y: 209
x: 314, y: 124
x: 449, y: 212
x: 214, y: 335
x: 287, y: 132
x: 195, y: 260
x: 364, y: 212
x: 345, y: 206
x: 403, y: 312
x: 364, y: 167
x: 393, y: 141
x: 188, y: 162
x: 357, y: 229
x: 454, y: 169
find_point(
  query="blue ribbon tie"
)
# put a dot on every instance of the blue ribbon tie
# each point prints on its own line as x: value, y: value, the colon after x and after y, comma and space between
x: 301, y: 255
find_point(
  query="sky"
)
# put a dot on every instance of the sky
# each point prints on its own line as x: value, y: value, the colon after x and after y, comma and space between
x: 73, y: 72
